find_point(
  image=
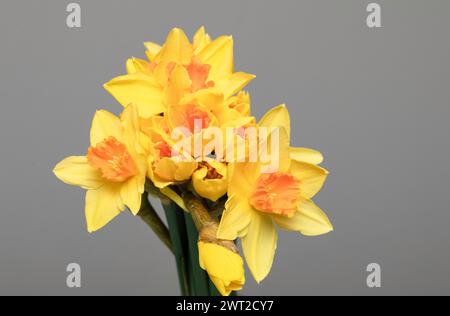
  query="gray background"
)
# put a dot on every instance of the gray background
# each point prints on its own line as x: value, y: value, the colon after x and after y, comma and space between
x: 374, y: 101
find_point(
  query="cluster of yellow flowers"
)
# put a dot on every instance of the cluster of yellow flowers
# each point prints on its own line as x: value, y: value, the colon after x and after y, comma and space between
x: 181, y: 84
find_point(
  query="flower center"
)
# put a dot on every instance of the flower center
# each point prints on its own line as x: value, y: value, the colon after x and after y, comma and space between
x: 212, y: 173
x: 276, y: 193
x: 112, y: 159
x: 198, y: 73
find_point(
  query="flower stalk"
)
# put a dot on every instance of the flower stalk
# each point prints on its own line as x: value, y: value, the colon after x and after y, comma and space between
x: 206, y: 225
x: 148, y: 214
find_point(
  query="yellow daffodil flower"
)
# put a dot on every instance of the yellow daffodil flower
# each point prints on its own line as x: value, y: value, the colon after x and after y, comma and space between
x: 113, y: 171
x: 210, y: 180
x: 257, y: 202
x: 176, y: 69
x: 164, y: 168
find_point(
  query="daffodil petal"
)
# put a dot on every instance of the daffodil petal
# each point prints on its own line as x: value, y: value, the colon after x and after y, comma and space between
x: 152, y: 49
x: 102, y: 206
x: 306, y: 155
x: 75, y: 170
x: 158, y: 181
x: 312, y: 177
x: 104, y: 125
x: 259, y: 245
x: 176, y: 49
x: 165, y: 169
x: 219, y: 55
x: 235, y: 83
x: 208, y: 98
x: 135, y: 65
x: 138, y: 89
x: 200, y: 40
x: 242, y: 176
x: 175, y: 197
x: 235, y: 218
x: 131, y: 193
x: 131, y: 134
x: 171, y: 170
x: 278, y: 160
x: 277, y: 117
x: 178, y: 85
x: 309, y: 220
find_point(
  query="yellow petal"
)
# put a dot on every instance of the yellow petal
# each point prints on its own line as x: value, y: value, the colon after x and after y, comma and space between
x: 219, y: 55
x: 201, y: 40
x: 104, y: 125
x: 171, y: 170
x: 165, y: 169
x: 212, y: 189
x: 152, y: 49
x: 309, y: 220
x: 157, y: 180
x: 178, y: 85
x: 75, y: 170
x: 102, y: 206
x: 240, y: 121
x: 240, y: 102
x: 172, y: 195
x: 135, y: 65
x: 184, y: 170
x: 277, y: 161
x: 235, y: 83
x: 225, y: 267
x: 131, y: 131
x: 277, y: 117
x: 130, y: 121
x: 138, y: 89
x: 311, y: 177
x: 177, y: 49
x: 242, y: 178
x: 207, y: 98
x: 306, y: 155
x: 259, y: 245
x: 235, y: 218
x: 131, y: 192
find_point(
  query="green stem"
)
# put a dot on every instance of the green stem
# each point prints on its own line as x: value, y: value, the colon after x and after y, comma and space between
x: 148, y: 214
x: 199, y: 276
x: 178, y: 234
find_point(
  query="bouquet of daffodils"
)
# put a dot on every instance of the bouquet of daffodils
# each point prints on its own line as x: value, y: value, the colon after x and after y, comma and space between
x: 187, y: 136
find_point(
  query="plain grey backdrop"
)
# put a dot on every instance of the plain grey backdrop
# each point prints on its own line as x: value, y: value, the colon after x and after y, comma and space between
x: 376, y: 102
